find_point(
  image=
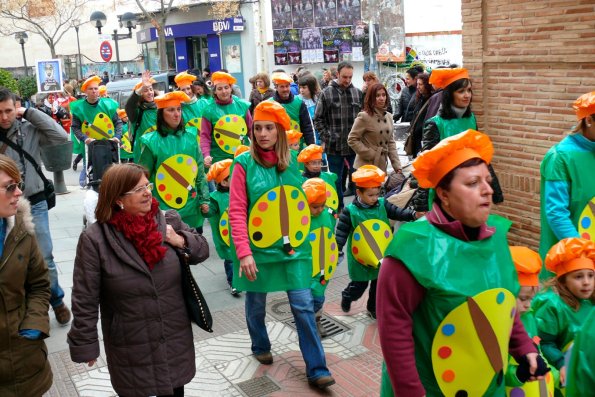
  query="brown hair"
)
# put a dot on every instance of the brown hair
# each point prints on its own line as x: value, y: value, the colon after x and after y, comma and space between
x: 558, y: 285
x: 369, y: 76
x: 281, y: 148
x: 370, y: 99
x: 10, y: 168
x: 117, y: 180
x: 264, y: 77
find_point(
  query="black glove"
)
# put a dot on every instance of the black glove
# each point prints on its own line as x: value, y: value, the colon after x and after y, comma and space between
x: 522, y: 371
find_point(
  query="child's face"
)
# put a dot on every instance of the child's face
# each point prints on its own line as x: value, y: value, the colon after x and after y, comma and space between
x: 581, y: 283
x: 314, y: 165
x: 368, y: 195
x: 295, y: 146
x: 124, y: 119
x: 316, y: 209
x: 523, y: 301
x: 225, y: 182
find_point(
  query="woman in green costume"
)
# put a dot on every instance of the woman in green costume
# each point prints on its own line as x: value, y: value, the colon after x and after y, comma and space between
x: 141, y: 108
x: 270, y: 223
x: 446, y: 290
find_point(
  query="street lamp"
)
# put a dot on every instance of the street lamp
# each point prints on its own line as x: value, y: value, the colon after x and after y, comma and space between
x: 76, y: 23
x: 126, y: 20
x: 21, y: 38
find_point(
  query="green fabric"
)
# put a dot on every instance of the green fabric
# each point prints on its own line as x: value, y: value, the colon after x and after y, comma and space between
x: 125, y: 137
x: 450, y: 127
x: 293, y: 111
x: 148, y: 122
x: 580, y: 373
x: 278, y: 270
x: 220, y: 223
x: 357, y: 241
x: 452, y: 271
x: 96, y: 121
x: 175, y: 167
x: 227, y: 119
x: 78, y: 147
x: 325, y: 223
x: 192, y: 113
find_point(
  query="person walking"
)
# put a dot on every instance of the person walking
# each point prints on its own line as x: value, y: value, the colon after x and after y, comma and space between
x: 261, y: 91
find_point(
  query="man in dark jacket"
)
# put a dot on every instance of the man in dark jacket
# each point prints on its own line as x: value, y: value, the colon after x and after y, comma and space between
x: 408, y: 92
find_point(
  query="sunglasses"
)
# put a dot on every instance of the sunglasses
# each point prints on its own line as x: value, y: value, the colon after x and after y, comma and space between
x: 10, y: 189
x: 140, y: 189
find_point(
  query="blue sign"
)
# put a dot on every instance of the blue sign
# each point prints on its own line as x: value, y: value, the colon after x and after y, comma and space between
x: 201, y: 28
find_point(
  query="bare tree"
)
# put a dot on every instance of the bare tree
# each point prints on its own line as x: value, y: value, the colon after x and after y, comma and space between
x: 49, y: 19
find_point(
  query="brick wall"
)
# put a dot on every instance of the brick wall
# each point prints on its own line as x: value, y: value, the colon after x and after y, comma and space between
x: 528, y: 61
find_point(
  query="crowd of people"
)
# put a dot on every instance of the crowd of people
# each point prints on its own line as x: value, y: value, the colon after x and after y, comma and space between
x: 459, y: 311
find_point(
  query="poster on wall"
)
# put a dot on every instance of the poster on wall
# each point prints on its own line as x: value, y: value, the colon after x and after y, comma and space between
x: 287, y: 46
x: 303, y: 14
x: 312, y: 46
x: 49, y: 75
x: 279, y: 48
x: 326, y: 13
x: 233, y: 58
x: 437, y: 50
x: 330, y: 45
x: 345, y: 43
x: 281, y: 10
x: 348, y: 12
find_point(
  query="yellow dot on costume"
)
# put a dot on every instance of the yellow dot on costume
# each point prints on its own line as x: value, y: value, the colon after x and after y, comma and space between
x: 224, y: 231
x: 332, y: 199
x: 325, y: 253
x: 369, y: 241
x: 229, y: 131
x: 586, y: 221
x: 100, y: 128
x: 175, y: 180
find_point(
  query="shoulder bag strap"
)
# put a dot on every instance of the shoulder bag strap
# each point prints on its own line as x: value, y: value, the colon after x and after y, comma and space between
x: 23, y: 154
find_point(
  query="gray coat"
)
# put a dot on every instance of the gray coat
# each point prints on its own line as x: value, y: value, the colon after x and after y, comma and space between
x: 146, y: 329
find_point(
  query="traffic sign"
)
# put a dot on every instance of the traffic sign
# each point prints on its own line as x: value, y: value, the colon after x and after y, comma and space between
x: 105, y: 50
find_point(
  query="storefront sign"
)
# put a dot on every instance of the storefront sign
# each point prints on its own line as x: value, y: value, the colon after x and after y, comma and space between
x: 200, y: 28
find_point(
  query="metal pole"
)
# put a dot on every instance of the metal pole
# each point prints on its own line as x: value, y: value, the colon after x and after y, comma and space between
x: 115, y: 37
x: 78, y: 44
x: 371, y: 42
x: 24, y: 57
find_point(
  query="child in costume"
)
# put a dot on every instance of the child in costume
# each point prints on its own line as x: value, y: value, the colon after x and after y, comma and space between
x: 218, y: 212
x: 311, y: 158
x: 293, y: 139
x: 364, y: 226
x: 562, y: 308
x: 528, y: 265
x: 324, y: 245
x: 126, y: 155
x: 580, y: 377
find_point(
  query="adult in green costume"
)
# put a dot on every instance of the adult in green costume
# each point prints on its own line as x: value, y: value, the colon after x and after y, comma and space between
x: 174, y: 162
x: 446, y: 290
x: 141, y: 108
x: 567, y: 192
x: 270, y: 223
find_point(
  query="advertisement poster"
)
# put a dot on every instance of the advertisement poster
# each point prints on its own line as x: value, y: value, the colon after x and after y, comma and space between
x: 233, y: 58
x: 336, y: 44
x: 312, y: 46
x: 326, y: 13
x: 303, y: 14
x: 345, y: 43
x: 287, y: 46
x: 281, y: 10
x: 348, y: 12
x: 49, y: 75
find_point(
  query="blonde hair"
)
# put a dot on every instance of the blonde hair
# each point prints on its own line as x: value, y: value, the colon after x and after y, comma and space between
x: 281, y: 149
x: 558, y: 285
x: 10, y: 168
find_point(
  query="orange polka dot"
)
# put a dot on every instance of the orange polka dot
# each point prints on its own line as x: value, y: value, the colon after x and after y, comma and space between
x: 168, y: 197
x: 257, y: 221
x: 220, y: 142
x: 262, y: 206
x: 448, y: 376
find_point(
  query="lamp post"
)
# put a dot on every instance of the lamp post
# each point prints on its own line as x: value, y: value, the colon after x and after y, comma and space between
x: 21, y: 38
x: 127, y: 20
x: 76, y: 24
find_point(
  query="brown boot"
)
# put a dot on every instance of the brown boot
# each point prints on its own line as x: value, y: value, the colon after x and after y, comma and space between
x: 323, y: 382
x: 62, y: 314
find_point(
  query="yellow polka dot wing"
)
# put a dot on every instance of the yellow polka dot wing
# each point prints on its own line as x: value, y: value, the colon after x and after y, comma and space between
x: 332, y: 199
x: 325, y: 254
x: 175, y: 180
x: 126, y: 145
x: 224, y: 227
x: 229, y: 132
x: 280, y: 213
x: 102, y: 127
x: 369, y: 241
x: 586, y: 222
x: 470, y: 347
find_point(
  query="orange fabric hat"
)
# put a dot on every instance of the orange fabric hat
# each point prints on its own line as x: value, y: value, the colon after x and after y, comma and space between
x: 432, y: 165
x: 310, y: 152
x: 184, y: 78
x: 281, y: 77
x: 571, y: 254
x: 271, y: 111
x: 122, y: 113
x: 293, y: 136
x: 102, y: 90
x: 89, y: 81
x: 315, y: 189
x: 222, y: 78
x: 241, y: 149
x: 442, y: 78
x: 219, y: 171
x: 585, y: 105
x: 140, y: 84
x: 174, y: 98
x: 368, y: 176
x: 528, y: 265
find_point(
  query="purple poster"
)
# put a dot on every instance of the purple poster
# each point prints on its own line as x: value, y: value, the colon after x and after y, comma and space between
x: 281, y: 11
x: 303, y: 13
x: 326, y: 13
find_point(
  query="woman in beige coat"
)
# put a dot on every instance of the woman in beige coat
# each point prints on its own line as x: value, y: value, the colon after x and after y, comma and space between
x: 371, y: 136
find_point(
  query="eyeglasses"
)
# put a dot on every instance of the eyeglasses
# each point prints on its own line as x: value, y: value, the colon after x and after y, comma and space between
x: 10, y: 189
x: 315, y: 163
x: 140, y: 189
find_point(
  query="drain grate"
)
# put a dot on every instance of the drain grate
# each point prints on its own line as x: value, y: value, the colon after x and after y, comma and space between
x: 330, y: 325
x: 257, y: 387
x: 280, y: 309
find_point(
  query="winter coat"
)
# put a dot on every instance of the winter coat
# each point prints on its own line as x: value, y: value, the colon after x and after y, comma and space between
x: 146, y: 329
x: 372, y: 140
x: 256, y: 97
x: 24, y: 304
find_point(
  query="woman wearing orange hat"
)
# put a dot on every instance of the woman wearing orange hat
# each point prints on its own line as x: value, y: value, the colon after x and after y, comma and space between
x: 447, y: 286
x: 141, y: 108
x: 191, y: 110
x: 567, y: 193
x: 225, y: 124
x: 270, y: 221
x: 174, y: 161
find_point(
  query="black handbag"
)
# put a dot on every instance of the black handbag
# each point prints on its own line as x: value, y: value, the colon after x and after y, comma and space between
x: 197, y: 307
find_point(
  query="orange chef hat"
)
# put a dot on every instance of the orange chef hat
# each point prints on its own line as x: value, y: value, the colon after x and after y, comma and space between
x: 219, y: 171
x: 585, y: 105
x: 315, y: 189
x: 368, y: 176
x: 281, y: 77
x: 432, y: 165
x: 271, y: 111
x: 222, y: 78
x: 89, y: 81
x: 241, y: 149
x: 571, y: 254
x: 122, y: 113
x: 140, y: 84
x: 174, y: 98
x: 528, y: 265
x: 310, y: 152
x: 183, y: 79
x: 442, y: 78
x: 293, y: 136
x: 102, y: 90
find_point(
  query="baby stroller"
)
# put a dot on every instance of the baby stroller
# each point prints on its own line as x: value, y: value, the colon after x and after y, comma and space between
x: 100, y: 155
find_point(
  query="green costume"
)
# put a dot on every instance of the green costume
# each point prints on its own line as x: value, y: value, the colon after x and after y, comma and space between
x: 324, y: 251
x: 293, y: 111
x: 96, y: 120
x: 148, y: 122
x: 278, y: 225
x: 581, y: 371
x: 454, y: 126
x: 125, y: 149
x: 175, y: 167
x: 462, y: 327
x: 219, y: 214
x: 78, y: 147
x: 192, y: 113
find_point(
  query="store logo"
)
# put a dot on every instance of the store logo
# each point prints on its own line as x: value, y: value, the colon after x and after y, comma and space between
x: 220, y: 26
x: 168, y: 32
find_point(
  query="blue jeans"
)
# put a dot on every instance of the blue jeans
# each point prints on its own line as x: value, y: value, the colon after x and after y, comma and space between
x: 39, y: 212
x: 83, y: 174
x: 335, y: 164
x: 318, y: 303
x: 228, y: 264
x: 302, y: 308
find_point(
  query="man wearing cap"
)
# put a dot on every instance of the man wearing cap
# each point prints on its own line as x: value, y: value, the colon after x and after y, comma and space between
x: 33, y: 130
x: 191, y: 110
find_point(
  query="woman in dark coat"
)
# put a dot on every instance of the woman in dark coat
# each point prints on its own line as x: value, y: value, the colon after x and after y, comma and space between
x: 127, y: 265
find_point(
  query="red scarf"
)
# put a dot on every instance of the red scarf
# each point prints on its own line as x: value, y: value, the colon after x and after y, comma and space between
x: 142, y: 232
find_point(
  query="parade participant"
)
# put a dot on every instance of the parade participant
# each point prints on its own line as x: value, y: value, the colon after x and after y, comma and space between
x: 261, y: 91
x: 567, y: 196
x: 126, y: 154
x: 174, y: 161
x: 219, y: 214
x: 580, y: 377
x: 141, y: 108
x: 226, y: 123
x: 202, y: 90
x: 127, y: 266
x: 293, y: 140
x: 311, y: 157
x: 447, y: 286
x: 364, y: 226
x: 25, y: 285
x: 566, y: 304
x: 191, y: 110
x: 103, y: 91
x: 270, y: 221
x: 325, y: 255
x: 294, y: 106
